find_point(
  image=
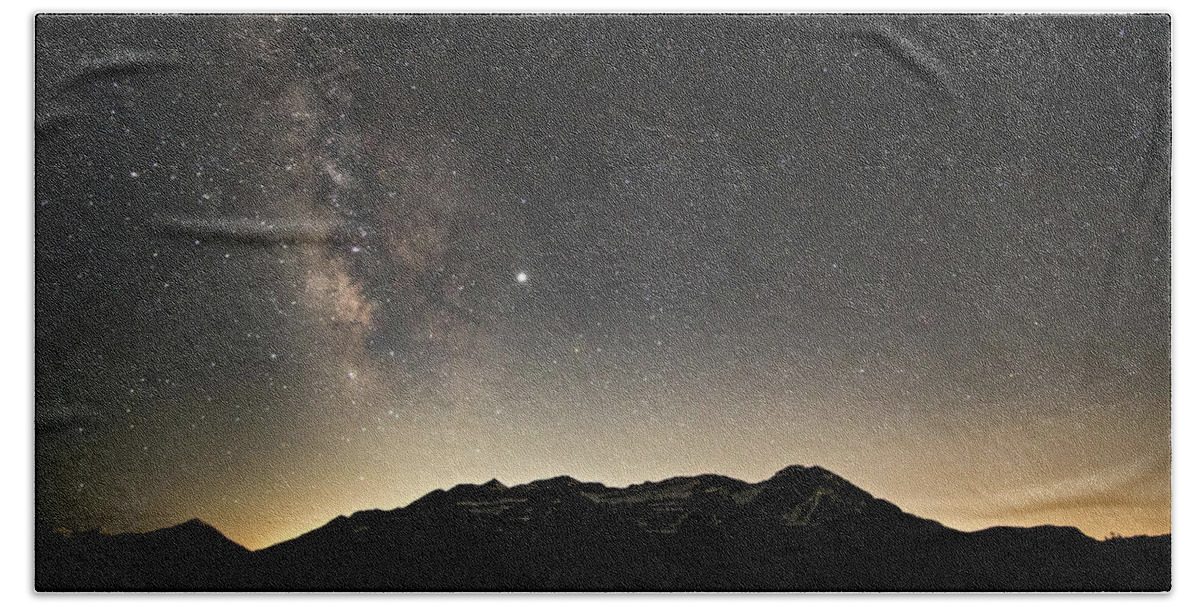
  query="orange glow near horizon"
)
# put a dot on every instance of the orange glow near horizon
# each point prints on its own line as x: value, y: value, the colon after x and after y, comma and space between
x: 984, y: 477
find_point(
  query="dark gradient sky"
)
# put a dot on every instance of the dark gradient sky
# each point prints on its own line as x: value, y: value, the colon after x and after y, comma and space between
x: 277, y: 262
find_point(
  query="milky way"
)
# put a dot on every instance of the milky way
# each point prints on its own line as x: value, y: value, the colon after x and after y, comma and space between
x: 289, y: 268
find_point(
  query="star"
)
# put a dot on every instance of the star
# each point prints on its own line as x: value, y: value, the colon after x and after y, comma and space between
x: 522, y: 278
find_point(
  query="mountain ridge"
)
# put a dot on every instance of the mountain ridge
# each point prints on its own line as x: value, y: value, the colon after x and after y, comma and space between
x: 804, y: 529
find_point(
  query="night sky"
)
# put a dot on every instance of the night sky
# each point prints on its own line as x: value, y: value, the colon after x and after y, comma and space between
x: 290, y: 268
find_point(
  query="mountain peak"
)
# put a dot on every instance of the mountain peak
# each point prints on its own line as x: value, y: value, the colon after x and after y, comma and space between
x: 196, y: 531
x: 797, y: 471
x: 492, y: 485
x: 562, y: 481
x: 195, y: 523
x: 193, y: 526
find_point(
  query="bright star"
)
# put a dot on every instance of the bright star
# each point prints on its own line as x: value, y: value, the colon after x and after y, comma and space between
x: 522, y: 277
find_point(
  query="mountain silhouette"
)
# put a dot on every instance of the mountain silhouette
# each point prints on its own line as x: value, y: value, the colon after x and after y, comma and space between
x: 190, y: 556
x: 804, y: 529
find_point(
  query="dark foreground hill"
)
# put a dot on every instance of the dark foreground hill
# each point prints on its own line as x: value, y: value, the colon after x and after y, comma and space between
x: 805, y: 529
